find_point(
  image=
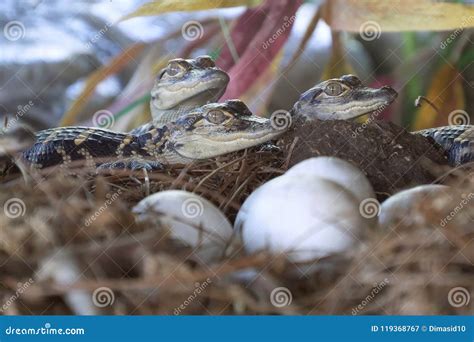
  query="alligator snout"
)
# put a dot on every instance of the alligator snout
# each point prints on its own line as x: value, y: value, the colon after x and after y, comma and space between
x: 390, y: 91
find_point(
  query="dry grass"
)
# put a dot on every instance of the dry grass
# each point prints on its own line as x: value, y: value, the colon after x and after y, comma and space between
x: 68, y: 255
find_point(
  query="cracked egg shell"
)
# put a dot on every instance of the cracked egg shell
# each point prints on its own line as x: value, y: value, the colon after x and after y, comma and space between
x: 190, y: 218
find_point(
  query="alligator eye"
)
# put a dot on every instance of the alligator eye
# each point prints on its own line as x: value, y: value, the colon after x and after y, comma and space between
x: 175, y: 69
x: 216, y: 117
x: 333, y: 89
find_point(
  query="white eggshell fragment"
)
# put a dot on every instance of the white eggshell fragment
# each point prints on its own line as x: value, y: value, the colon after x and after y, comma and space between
x: 338, y: 171
x: 191, y: 219
x: 304, y: 216
x: 400, y: 206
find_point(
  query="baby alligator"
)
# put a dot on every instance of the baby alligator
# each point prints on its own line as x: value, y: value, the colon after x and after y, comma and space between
x: 208, y: 131
x: 347, y: 98
x: 183, y: 85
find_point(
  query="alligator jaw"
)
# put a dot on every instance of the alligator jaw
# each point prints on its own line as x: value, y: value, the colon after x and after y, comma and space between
x: 201, y: 146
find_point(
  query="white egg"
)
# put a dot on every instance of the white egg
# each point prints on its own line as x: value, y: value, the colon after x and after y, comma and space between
x: 306, y: 217
x: 191, y: 219
x: 400, y: 206
x: 338, y: 171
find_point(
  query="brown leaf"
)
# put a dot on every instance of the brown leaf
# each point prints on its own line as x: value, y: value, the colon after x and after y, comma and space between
x: 374, y: 17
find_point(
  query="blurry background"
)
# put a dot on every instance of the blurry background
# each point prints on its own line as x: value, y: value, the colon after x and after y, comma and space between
x: 62, y: 62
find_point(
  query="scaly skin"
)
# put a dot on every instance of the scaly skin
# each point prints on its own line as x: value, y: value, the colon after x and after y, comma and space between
x: 205, y: 132
x: 183, y: 85
x: 347, y: 98
x: 457, y: 141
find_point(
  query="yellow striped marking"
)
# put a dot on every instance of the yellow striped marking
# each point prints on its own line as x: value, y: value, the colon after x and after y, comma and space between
x: 82, y: 137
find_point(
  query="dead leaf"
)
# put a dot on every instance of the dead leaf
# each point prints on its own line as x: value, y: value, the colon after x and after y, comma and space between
x: 162, y: 6
x: 374, y: 17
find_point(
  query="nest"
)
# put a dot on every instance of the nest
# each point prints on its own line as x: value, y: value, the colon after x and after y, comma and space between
x: 70, y: 245
x: 391, y: 157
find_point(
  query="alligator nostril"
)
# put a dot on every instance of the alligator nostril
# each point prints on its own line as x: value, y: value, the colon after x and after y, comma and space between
x: 390, y: 90
x: 205, y: 61
x: 352, y: 80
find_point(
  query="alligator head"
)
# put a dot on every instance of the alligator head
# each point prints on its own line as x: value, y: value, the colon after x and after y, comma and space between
x: 219, y: 128
x: 341, y: 99
x: 187, y: 83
